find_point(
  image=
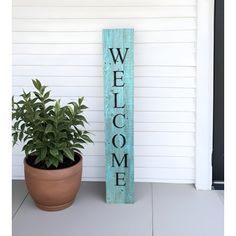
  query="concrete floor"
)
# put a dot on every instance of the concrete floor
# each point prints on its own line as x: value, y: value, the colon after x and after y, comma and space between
x: 159, y: 210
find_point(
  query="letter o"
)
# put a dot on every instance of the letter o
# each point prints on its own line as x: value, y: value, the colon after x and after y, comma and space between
x: 114, y: 139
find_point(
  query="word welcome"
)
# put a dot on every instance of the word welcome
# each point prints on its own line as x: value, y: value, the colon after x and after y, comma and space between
x: 118, y: 113
x: 118, y: 82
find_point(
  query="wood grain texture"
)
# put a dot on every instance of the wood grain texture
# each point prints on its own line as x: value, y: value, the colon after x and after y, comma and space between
x: 119, y: 175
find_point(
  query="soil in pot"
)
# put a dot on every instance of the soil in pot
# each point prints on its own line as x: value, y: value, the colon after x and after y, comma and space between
x: 66, y: 163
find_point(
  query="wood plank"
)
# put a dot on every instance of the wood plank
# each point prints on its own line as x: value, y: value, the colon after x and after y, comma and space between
x: 98, y: 92
x: 159, y: 138
x: 165, y: 59
x: 169, y: 175
x: 160, y: 71
x: 152, y: 173
x: 139, y: 161
x: 96, y: 81
x: 98, y: 24
x: 103, y: 3
x: 141, y: 150
x: 96, y: 49
x: 96, y: 37
x: 103, y: 12
x: 141, y: 104
x: 118, y: 102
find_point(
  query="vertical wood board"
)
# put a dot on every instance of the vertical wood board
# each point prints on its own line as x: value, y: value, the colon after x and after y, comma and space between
x: 118, y: 67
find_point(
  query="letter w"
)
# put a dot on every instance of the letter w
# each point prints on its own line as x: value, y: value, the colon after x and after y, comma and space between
x: 115, y: 58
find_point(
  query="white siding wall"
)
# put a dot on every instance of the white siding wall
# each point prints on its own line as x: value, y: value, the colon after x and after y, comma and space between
x: 60, y: 43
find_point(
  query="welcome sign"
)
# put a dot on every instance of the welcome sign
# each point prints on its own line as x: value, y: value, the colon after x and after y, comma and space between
x: 118, y: 54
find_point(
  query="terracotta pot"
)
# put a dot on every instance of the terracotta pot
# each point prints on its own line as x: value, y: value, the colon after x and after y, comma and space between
x: 53, y: 190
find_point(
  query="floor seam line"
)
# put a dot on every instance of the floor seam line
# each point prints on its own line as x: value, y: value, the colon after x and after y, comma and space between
x: 152, y: 210
x: 20, y: 206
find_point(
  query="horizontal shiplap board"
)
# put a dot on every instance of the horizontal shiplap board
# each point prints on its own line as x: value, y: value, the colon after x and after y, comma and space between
x: 98, y: 92
x: 103, y: 12
x: 140, y: 150
x: 183, y: 59
x: 146, y: 126
x: 98, y: 24
x: 140, y: 174
x: 96, y: 81
x: 139, y: 161
x: 96, y: 49
x: 149, y: 173
x: 37, y: 71
x: 118, y: 3
x: 141, y: 104
x: 155, y: 173
x: 96, y: 37
x: 150, y: 127
x: 148, y: 117
x: 157, y: 138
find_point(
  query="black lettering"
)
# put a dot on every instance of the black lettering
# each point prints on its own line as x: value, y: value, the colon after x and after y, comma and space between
x: 120, y: 176
x: 115, y: 59
x: 114, y: 121
x: 116, y: 101
x: 114, y: 158
x: 114, y: 138
x: 118, y: 78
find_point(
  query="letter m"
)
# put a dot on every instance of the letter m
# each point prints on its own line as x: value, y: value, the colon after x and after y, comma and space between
x: 124, y: 159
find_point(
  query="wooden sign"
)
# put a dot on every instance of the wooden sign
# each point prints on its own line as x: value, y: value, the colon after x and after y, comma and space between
x: 118, y: 56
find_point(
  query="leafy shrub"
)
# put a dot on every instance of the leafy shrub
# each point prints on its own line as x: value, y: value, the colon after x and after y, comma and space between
x: 50, y: 131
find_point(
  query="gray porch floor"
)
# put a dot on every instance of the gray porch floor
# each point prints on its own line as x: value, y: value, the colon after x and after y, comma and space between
x: 159, y: 210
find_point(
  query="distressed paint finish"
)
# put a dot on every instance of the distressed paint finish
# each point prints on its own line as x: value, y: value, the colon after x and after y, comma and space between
x: 123, y: 39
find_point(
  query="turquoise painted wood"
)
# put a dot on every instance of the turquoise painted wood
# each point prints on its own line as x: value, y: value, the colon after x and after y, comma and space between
x: 118, y: 55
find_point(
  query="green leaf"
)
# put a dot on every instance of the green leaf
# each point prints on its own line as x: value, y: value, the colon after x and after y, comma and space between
x: 22, y: 127
x: 60, y: 157
x: 77, y: 145
x: 43, y: 153
x: 80, y: 100
x: 68, y: 153
x: 37, y: 160
x: 80, y: 117
x: 28, y: 149
x: 26, y: 137
x: 49, y: 108
x: 46, y: 95
x: 57, y: 106
x: 55, y: 162
x: 15, y: 137
x: 37, y: 84
x: 49, y: 100
x: 54, y: 152
x: 42, y: 90
x: 71, y: 110
x: 48, y: 162
x: 87, y: 138
x: 49, y: 128
x: 81, y: 140
x: 83, y: 107
x: 21, y: 136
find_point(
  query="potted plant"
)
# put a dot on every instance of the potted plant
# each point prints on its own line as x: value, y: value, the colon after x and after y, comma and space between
x: 53, y: 137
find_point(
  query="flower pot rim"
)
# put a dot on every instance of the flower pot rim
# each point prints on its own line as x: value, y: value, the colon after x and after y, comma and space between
x: 55, y: 170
